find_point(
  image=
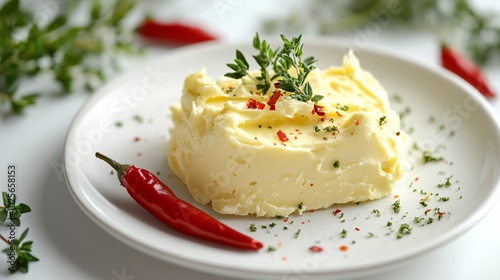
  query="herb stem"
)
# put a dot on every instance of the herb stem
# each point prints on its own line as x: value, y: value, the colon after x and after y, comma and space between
x: 4, y: 239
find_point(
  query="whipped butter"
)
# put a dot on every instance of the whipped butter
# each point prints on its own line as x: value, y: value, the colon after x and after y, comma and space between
x: 246, y: 160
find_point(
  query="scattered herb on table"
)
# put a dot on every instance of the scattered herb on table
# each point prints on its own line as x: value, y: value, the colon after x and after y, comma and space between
x: 65, y: 51
x: 478, y: 29
x: 18, y: 252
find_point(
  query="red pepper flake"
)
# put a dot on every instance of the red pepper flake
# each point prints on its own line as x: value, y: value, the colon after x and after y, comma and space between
x: 337, y: 211
x: 272, y: 101
x: 315, y: 249
x: 398, y: 133
x: 416, y: 179
x: 311, y: 184
x: 396, y: 196
x: 254, y: 104
x: 303, y: 222
x: 285, y: 220
x: 284, y: 259
x: 137, y: 139
x: 427, y: 210
x: 280, y: 244
x: 339, y: 114
x: 344, y: 248
x: 356, y: 122
x: 356, y: 229
x: 318, y: 110
x: 282, y: 136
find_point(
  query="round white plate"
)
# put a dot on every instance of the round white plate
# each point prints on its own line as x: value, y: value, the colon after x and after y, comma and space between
x: 129, y: 120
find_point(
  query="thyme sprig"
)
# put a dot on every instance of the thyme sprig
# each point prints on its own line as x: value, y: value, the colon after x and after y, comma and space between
x: 289, y: 70
x: 63, y: 50
x: 22, y: 252
x: 18, y: 252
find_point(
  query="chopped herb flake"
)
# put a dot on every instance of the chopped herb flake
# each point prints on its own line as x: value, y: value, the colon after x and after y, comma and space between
x: 253, y: 227
x: 396, y: 206
x: 427, y: 157
x: 343, y: 234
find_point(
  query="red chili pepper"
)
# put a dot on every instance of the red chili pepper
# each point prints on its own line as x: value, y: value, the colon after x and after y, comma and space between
x: 154, y: 196
x: 464, y: 68
x: 173, y: 33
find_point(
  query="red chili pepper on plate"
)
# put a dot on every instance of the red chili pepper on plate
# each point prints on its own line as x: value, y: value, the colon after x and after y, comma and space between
x: 173, y: 33
x: 154, y: 196
x: 466, y: 69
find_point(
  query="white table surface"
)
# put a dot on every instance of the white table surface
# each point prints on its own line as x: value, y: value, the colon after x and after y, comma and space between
x: 71, y: 246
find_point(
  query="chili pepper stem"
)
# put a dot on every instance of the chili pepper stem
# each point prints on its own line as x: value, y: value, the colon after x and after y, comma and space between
x: 121, y: 169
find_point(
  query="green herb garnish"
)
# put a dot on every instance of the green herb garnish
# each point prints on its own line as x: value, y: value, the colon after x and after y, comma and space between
x: 427, y: 157
x: 331, y: 128
x: 382, y: 120
x: 404, y: 229
x: 396, y: 206
x: 342, y: 107
x: 253, y: 227
x: 446, y: 184
x: 275, y: 68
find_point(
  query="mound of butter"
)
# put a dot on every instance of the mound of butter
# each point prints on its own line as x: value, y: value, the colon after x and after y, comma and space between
x: 240, y: 152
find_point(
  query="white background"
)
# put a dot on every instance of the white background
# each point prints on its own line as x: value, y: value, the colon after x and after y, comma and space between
x: 71, y: 246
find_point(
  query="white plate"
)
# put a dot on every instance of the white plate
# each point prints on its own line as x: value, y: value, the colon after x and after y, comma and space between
x: 471, y: 156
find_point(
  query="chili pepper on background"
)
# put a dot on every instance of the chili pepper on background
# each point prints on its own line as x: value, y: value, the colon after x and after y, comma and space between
x: 153, y: 195
x: 173, y: 33
x: 466, y: 69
